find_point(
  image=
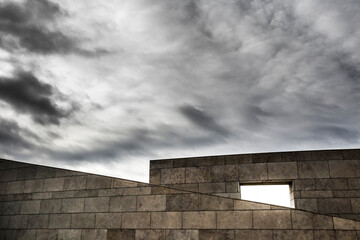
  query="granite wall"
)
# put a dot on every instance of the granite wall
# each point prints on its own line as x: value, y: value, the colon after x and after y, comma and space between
x: 321, y: 181
x: 38, y: 202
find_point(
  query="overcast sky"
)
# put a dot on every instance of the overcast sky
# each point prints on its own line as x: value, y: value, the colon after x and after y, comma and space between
x: 105, y: 86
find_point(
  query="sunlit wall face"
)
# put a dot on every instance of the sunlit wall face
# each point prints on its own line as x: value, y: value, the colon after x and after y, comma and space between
x: 272, y: 194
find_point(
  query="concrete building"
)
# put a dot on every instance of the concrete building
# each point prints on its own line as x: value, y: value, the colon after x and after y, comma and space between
x: 191, y: 199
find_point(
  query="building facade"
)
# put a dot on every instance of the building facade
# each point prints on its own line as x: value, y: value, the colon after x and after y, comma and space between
x: 191, y: 199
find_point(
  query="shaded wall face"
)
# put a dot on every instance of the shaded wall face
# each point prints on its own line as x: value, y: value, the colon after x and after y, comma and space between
x: 38, y: 203
x: 321, y: 181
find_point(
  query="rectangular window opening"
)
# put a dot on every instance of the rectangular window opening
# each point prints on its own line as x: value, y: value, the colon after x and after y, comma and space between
x: 280, y: 194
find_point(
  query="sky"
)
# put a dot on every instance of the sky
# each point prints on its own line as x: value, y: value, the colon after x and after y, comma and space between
x: 105, y: 86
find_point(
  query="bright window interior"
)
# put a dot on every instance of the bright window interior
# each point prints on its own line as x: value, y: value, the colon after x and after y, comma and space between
x: 278, y: 194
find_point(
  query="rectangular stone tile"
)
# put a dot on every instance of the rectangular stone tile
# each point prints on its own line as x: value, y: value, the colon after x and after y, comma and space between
x: 355, y: 204
x: 32, y: 186
x: 293, y: 235
x: 30, y: 207
x: 266, y: 157
x: 72, y: 205
x: 45, y: 172
x: 151, y: 203
x: 212, y: 187
x: 42, y: 195
x: 3, y: 187
x: 60, y: 221
x: 94, y: 234
x: 4, y: 222
x: 304, y: 184
x: 166, y: 220
x: 26, y: 173
x: 38, y: 221
x: 182, y: 202
x: 216, y: 235
x: 97, y: 182
x: 75, y: 183
x: 344, y: 168
x: 254, y: 171
x: 120, y: 183
x: 11, y: 208
x: 303, y: 156
x: 65, y: 173
x: 198, y: 174
x: 272, y: 219
x: 83, y: 220
x: 50, y: 206
x: 247, y: 205
x: 137, y: 191
x: 232, y: 187
x: 18, y: 222
x: 213, y: 160
x: 97, y: 204
x: 354, y: 183
x: 161, y: 163
x: 155, y: 190
x: 121, y: 235
x: 150, y: 234
x: 15, y: 187
x: 314, y: 169
x: 208, y: 202
x: 346, y: 193
x: 238, y: 159
x: 327, y: 155
x: 307, y: 204
x: 224, y: 173
x: 46, y: 234
x: 179, y: 163
x: 344, y: 224
x: 54, y: 184
x: 8, y: 175
x: 110, y: 192
x: 346, y: 235
x: 331, y: 184
x: 108, y: 220
x: 334, y: 205
x: 306, y: 220
x: 283, y: 170
x: 324, y: 234
x: 122, y: 203
x: 199, y: 220
x: 25, y: 234
x: 317, y: 194
x: 288, y: 156
x: 172, y: 176
x: 253, y: 234
x: 182, y: 234
x: 155, y: 176
x: 351, y: 154
x: 234, y: 219
x: 136, y: 220
x: 69, y: 234
x: 84, y: 193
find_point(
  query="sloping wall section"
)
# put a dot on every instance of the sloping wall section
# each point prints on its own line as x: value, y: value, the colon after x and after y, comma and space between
x: 38, y: 202
x: 322, y: 181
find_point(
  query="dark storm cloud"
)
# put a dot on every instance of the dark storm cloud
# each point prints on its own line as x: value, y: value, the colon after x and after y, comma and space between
x: 28, y: 26
x: 12, y: 136
x: 202, y: 120
x: 26, y: 93
x: 27, y: 23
